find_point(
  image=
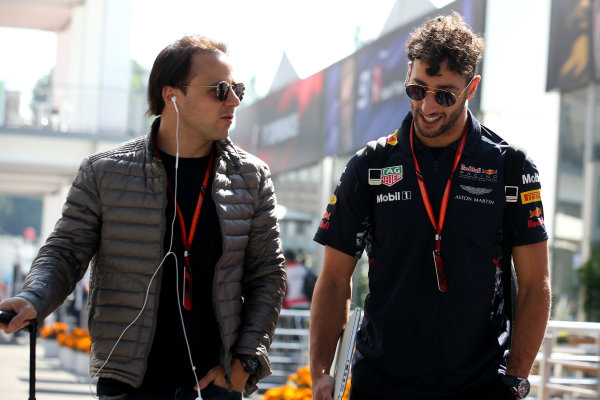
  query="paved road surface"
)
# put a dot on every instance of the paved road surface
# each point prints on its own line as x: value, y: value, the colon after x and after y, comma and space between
x: 53, y: 383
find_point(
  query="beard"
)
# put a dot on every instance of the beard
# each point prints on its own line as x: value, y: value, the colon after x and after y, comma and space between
x: 449, y: 120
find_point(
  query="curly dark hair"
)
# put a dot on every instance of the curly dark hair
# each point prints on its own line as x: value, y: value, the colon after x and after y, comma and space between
x: 172, y: 66
x: 446, y: 38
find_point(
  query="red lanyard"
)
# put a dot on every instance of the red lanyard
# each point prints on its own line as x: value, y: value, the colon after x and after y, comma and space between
x: 437, y: 253
x: 188, y: 239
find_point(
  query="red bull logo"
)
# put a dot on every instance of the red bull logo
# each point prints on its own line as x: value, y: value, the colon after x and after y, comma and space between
x: 477, y: 173
x: 324, y: 224
x: 393, y: 138
x: 536, y: 223
x: 469, y: 168
x: 477, y: 170
x: 535, y: 213
x: 333, y: 199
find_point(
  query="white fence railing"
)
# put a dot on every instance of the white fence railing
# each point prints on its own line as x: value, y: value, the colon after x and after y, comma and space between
x: 289, y: 350
x: 568, y: 368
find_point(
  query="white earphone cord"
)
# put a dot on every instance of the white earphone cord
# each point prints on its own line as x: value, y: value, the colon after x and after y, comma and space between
x: 169, y: 252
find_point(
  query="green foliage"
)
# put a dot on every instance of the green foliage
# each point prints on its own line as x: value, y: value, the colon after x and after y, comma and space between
x: 42, y: 88
x: 139, y: 76
x: 17, y: 213
x: 589, y: 277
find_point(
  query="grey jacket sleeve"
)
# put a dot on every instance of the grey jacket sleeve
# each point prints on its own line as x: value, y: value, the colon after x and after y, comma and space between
x: 263, y: 287
x: 63, y: 259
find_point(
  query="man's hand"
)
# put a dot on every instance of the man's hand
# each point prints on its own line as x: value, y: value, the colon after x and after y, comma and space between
x: 322, y: 386
x: 216, y: 375
x: 328, y: 316
x: 24, y: 310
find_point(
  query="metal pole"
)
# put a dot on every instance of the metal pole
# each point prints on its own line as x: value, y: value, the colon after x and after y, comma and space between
x: 588, y: 206
x: 543, y: 392
x: 32, y: 340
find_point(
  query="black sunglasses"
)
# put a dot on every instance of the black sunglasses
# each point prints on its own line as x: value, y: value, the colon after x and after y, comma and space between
x: 223, y: 89
x: 443, y: 97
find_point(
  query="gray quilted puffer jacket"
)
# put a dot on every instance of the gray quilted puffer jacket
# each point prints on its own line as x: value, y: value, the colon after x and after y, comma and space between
x: 114, y: 216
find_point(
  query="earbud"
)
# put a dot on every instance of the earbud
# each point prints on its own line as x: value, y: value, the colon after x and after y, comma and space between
x: 173, y: 99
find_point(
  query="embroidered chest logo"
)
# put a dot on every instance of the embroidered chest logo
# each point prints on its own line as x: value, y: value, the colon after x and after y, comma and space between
x: 478, y: 195
x: 478, y: 174
x: 391, y: 175
x: 404, y: 195
x: 478, y: 191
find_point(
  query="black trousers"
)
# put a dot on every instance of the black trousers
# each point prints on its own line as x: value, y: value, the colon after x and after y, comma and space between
x: 211, y: 392
x: 494, y: 391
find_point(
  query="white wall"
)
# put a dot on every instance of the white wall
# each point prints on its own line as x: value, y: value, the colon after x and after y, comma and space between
x: 514, y: 99
x: 116, y: 66
x: 94, y: 67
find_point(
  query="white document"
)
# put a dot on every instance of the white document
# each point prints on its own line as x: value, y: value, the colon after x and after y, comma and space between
x: 344, y: 354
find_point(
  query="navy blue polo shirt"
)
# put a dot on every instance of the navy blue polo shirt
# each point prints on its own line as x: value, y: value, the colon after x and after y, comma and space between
x: 416, y: 340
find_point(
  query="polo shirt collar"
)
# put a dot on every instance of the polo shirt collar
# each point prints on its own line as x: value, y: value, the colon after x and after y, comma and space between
x: 473, y: 136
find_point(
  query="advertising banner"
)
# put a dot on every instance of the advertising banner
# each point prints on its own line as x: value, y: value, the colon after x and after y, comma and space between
x: 338, y: 110
x: 574, y: 53
x: 284, y: 128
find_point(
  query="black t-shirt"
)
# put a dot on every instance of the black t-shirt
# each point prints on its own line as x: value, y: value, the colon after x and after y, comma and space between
x: 416, y: 340
x: 168, y: 362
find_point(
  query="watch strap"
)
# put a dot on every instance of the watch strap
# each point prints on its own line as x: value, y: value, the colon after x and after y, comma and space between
x: 250, y: 363
x: 519, y: 386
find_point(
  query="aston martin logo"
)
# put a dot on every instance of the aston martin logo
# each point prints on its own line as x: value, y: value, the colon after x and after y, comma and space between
x: 477, y: 191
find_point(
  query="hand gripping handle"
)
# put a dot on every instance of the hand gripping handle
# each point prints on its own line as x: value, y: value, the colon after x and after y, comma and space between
x: 6, y: 316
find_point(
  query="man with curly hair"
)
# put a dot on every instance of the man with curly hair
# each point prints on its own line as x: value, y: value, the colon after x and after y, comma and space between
x: 437, y: 323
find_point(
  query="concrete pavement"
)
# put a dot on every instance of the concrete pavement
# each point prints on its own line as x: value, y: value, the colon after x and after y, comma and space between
x: 52, y: 381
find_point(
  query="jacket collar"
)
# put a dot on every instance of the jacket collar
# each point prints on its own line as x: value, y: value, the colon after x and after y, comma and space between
x: 224, y: 148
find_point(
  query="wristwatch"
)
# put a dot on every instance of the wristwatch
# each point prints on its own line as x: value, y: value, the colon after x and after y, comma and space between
x: 519, y: 386
x: 250, y: 363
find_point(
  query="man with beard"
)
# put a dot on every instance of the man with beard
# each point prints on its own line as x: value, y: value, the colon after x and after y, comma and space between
x: 436, y: 323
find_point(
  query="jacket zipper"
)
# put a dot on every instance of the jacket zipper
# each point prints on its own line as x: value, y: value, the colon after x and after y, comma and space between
x: 158, y: 280
x: 215, y: 308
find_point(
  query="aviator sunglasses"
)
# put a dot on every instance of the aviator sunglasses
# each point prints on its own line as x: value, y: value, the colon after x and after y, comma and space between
x: 443, y: 97
x: 223, y: 89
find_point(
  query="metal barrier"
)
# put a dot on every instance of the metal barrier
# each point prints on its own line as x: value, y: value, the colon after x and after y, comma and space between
x: 289, y: 350
x: 568, y: 369
x: 565, y: 369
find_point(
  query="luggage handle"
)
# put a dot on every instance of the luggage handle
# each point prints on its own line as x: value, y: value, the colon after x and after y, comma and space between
x: 5, y: 317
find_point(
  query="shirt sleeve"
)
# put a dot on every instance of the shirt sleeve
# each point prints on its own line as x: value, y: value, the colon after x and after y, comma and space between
x: 528, y: 219
x: 344, y: 225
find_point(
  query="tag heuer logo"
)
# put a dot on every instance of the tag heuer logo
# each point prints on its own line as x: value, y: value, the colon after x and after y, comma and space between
x: 391, y: 175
